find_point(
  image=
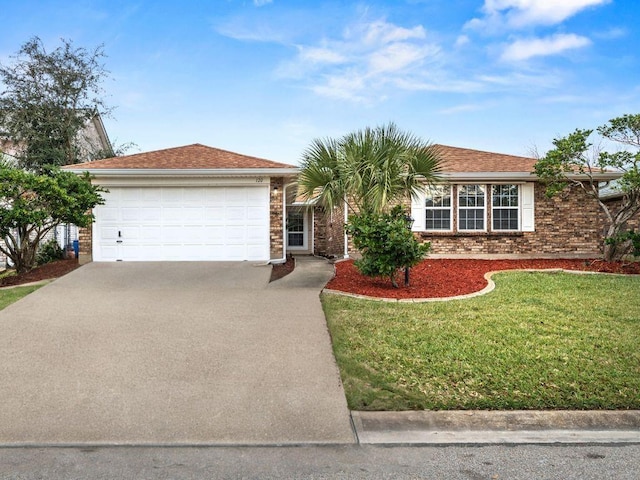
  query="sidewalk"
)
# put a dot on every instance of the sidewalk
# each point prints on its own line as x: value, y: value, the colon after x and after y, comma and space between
x: 497, y: 427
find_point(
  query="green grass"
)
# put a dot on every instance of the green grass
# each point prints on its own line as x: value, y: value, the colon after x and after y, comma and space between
x: 539, y: 341
x: 11, y: 295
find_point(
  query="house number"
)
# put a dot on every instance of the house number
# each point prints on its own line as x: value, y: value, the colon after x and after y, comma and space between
x: 259, y: 179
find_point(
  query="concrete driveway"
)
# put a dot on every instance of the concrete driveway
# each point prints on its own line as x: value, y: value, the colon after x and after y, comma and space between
x: 169, y: 353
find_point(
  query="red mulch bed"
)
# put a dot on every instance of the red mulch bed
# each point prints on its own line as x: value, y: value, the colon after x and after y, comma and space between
x: 280, y: 270
x: 437, y: 278
x: 43, y: 272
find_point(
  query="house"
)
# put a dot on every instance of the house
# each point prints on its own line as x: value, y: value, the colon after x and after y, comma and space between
x: 491, y: 205
x: 202, y: 203
x: 91, y: 139
x: 187, y: 203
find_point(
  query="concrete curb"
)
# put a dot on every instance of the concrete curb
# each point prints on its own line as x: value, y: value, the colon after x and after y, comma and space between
x: 497, y: 427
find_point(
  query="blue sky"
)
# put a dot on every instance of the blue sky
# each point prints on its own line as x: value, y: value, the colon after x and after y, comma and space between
x: 265, y: 77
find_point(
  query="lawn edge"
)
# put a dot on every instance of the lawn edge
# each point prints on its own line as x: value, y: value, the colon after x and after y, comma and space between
x: 489, y: 288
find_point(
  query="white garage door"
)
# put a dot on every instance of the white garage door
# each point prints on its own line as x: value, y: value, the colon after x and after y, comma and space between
x: 183, y: 223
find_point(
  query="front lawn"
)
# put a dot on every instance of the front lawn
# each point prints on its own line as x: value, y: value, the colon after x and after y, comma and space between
x: 11, y: 295
x: 539, y: 341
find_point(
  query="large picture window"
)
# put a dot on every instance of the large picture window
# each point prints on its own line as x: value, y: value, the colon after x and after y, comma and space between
x: 438, y: 208
x: 471, y: 207
x: 505, y: 204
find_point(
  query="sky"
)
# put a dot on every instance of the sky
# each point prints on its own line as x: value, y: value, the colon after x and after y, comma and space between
x: 266, y: 77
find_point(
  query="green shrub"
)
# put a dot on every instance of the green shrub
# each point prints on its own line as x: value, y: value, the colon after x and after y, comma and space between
x: 386, y: 243
x: 49, y: 252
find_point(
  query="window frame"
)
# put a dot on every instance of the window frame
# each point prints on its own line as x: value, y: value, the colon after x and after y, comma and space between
x: 449, y: 208
x: 517, y: 208
x: 484, y: 208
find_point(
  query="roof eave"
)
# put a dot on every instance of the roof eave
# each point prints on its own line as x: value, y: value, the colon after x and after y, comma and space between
x: 517, y: 176
x: 198, y: 172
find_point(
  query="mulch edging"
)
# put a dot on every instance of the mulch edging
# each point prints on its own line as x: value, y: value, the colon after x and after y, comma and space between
x: 451, y: 279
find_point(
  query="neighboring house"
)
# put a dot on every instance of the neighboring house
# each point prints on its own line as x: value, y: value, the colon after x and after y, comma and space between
x: 91, y: 139
x: 201, y: 203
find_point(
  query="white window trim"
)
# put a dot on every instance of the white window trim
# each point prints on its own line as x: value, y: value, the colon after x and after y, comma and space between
x: 305, y: 235
x: 450, y: 208
x: 466, y: 230
x: 527, y: 209
x: 518, y: 208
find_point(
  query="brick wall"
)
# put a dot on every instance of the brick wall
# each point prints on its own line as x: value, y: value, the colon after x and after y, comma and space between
x: 328, y: 228
x: 567, y: 225
x: 85, y: 251
x: 614, y: 205
x: 276, y: 239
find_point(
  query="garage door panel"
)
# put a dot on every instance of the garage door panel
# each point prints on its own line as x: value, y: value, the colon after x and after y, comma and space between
x: 174, y: 234
x: 256, y: 196
x: 254, y: 235
x: 150, y: 233
x: 256, y: 213
x: 172, y: 195
x: 130, y: 232
x: 193, y: 196
x: 193, y: 215
x: 108, y: 233
x: 108, y: 214
x: 171, y: 223
x: 107, y: 253
x: 235, y: 235
x: 236, y: 215
x: 131, y: 214
x: 214, y: 234
x: 214, y: 215
x: 257, y: 252
x: 130, y: 195
x: 194, y: 235
x: 215, y: 196
x: 150, y: 215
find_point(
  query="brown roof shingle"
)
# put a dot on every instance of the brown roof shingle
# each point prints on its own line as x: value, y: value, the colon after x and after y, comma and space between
x: 194, y: 156
x: 459, y: 160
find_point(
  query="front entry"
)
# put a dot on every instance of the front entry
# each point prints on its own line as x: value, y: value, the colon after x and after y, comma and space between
x: 297, y: 229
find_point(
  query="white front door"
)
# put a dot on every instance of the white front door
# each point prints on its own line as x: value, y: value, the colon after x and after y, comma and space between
x: 297, y: 226
x: 183, y: 223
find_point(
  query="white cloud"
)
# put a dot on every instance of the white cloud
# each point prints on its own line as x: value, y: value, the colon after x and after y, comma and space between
x: 359, y: 64
x: 462, y: 40
x: 537, y: 47
x: 398, y: 57
x: 468, y: 107
x: 521, y: 13
x: 320, y: 55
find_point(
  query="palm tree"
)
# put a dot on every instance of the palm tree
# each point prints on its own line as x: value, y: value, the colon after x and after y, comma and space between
x: 371, y: 169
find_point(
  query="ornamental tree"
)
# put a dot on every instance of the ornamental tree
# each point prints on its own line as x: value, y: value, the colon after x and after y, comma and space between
x: 575, y: 163
x: 46, y: 100
x: 32, y: 204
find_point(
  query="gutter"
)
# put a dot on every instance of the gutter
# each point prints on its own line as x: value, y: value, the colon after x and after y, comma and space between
x: 193, y: 172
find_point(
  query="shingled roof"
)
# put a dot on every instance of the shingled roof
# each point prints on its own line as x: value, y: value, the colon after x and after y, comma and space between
x: 189, y: 157
x: 459, y: 160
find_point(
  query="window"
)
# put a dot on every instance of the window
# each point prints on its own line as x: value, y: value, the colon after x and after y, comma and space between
x: 295, y: 229
x: 505, y: 207
x: 438, y: 207
x: 471, y: 207
x: 491, y: 207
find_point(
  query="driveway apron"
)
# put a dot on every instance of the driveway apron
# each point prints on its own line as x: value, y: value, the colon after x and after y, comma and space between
x: 169, y: 353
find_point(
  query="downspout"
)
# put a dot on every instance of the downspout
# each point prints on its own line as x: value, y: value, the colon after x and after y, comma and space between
x: 284, y: 225
x: 346, y: 237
